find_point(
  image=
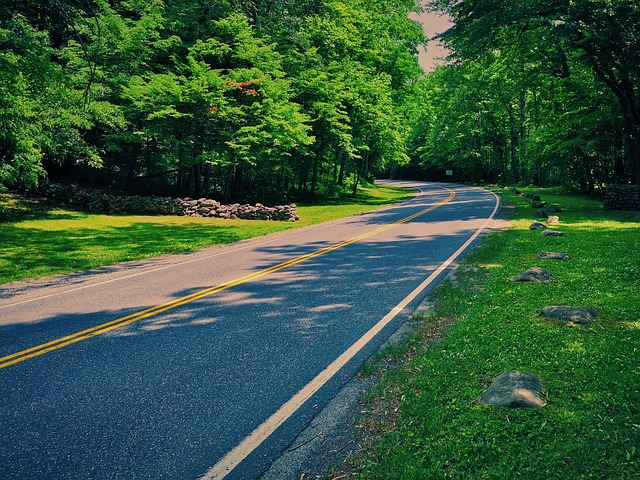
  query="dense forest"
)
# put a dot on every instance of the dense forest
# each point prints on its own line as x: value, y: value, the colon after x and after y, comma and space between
x: 537, y: 91
x: 222, y: 98
x: 280, y: 98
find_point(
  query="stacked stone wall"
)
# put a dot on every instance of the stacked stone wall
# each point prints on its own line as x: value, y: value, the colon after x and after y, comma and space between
x: 622, y: 197
x: 205, y: 207
x: 98, y: 201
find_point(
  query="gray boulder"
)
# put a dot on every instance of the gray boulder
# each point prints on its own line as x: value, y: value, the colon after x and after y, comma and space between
x: 551, y: 208
x: 537, y: 226
x: 554, y: 256
x: 579, y: 315
x: 514, y: 389
x: 552, y: 233
x: 535, y: 275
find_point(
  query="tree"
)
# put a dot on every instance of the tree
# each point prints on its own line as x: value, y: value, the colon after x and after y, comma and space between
x: 227, y: 97
x: 221, y: 109
x: 601, y: 34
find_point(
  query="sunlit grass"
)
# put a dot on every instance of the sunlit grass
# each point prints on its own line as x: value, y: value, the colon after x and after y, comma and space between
x: 42, y: 239
x: 591, y: 374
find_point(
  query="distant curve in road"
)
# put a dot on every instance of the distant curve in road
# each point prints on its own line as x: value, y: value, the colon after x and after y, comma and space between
x: 207, y: 365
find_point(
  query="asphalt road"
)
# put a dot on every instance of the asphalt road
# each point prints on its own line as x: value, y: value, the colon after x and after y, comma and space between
x: 208, y: 365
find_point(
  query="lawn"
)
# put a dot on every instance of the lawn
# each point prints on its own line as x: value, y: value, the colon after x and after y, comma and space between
x: 425, y: 421
x: 40, y: 238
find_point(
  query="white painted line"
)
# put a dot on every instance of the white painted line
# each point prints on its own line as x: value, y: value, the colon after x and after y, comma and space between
x: 260, y: 434
x: 207, y: 257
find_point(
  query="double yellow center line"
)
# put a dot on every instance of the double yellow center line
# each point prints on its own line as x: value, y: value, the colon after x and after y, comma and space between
x: 158, y: 309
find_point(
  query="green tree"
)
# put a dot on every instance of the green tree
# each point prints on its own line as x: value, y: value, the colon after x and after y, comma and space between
x: 221, y: 110
x: 601, y: 34
x: 45, y: 118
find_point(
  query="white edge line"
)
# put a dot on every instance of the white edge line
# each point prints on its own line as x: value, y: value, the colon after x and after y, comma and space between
x: 262, y: 432
x: 205, y: 257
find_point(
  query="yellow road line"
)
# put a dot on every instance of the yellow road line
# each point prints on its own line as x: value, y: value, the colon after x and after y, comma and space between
x: 234, y: 457
x: 150, y: 312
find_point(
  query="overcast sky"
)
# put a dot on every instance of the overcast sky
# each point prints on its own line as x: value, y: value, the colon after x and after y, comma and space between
x: 432, y: 24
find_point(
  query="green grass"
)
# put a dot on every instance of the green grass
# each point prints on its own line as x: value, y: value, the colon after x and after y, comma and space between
x: 590, y: 427
x: 40, y: 238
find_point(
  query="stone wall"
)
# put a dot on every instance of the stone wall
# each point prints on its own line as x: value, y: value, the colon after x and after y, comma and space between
x: 205, y: 207
x: 97, y: 201
x: 622, y: 197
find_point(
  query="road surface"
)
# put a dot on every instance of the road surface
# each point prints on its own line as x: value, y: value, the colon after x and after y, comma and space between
x: 208, y: 365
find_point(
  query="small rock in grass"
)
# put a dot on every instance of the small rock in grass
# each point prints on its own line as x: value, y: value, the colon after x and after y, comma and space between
x: 514, y: 389
x: 553, y: 220
x: 554, y: 256
x: 552, y: 233
x: 537, y: 226
x: 580, y: 315
x: 541, y: 214
x: 535, y: 275
x: 551, y: 208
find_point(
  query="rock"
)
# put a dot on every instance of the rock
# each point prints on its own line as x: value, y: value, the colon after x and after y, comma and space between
x: 99, y: 201
x: 580, y: 315
x: 537, y: 226
x: 537, y: 204
x: 551, y: 208
x: 622, y: 197
x: 553, y: 219
x: 554, y: 256
x: 552, y: 233
x: 535, y: 275
x: 541, y: 214
x: 514, y: 389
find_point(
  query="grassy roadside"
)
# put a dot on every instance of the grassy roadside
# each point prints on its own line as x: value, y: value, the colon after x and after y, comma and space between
x: 40, y: 238
x: 425, y: 421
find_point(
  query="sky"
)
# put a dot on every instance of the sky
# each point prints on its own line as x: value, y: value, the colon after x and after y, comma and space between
x: 432, y: 24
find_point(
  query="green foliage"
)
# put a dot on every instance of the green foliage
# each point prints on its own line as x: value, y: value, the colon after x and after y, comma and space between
x: 230, y: 98
x: 542, y: 92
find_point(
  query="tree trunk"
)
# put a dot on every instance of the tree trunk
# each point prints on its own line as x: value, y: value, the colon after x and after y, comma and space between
x: 623, y: 88
x: 227, y: 184
x: 314, y: 176
x: 197, y: 181
x: 238, y: 180
x: 357, y: 177
x: 632, y: 149
x: 341, y: 172
x: 366, y: 165
x: 522, y: 127
x: 515, y: 164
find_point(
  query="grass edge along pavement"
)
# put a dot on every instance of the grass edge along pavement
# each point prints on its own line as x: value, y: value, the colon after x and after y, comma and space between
x: 424, y: 418
x: 43, y: 238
